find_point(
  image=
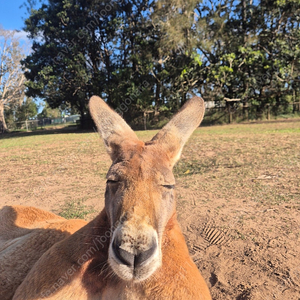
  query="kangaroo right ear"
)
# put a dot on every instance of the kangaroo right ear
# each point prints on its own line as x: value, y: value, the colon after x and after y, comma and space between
x: 115, y: 132
x: 174, y: 135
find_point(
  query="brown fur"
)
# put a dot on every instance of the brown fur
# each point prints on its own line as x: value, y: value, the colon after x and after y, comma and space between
x: 43, y: 256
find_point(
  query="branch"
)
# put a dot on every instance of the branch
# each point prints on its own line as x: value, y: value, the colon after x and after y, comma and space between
x: 231, y: 100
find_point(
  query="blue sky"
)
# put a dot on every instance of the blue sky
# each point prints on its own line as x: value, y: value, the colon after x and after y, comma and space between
x: 11, y: 16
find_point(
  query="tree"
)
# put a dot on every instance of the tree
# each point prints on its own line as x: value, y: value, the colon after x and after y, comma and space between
x: 146, y: 55
x: 86, y: 48
x: 242, y: 50
x: 11, y: 75
x: 49, y: 112
x: 27, y: 110
x: 72, y: 57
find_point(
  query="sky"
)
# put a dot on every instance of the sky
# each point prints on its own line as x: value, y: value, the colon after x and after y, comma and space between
x: 12, y: 16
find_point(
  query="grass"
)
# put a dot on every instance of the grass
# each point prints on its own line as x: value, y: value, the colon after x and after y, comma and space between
x: 75, y: 210
x: 43, y: 128
x: 257, y: 162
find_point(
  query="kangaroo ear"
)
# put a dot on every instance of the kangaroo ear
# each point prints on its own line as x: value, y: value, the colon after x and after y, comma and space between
x: 115, y: 132
x: 172, y: 137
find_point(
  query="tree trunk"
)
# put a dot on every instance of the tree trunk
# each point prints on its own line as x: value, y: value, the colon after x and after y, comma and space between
x: 3, y: 127
x: 157, y: 96
x: 82, y: 119
x: 229, y: 110
x: 294, y: 100
x: 246, y: 111
x: 277, y: 104
x: 268, y: 112
x: 244, y: 12
x: 145, y: 121
x: 183, y: 98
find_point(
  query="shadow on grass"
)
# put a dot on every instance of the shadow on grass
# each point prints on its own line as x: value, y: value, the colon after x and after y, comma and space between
x: 75, y: 129
x: 59, y: 130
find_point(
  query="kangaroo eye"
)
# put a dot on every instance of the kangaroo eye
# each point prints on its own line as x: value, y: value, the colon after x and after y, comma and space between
x: 111, y: 181
x: 169, y: 186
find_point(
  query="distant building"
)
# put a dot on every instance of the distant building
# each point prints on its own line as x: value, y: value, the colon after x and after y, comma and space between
x: 72, y: 118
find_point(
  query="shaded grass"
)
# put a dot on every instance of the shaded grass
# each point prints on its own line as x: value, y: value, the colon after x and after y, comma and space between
x: 75, y: 210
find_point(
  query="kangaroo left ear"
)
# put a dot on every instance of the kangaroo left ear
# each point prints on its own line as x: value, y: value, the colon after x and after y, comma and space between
x: 174, y: 135
x: 115, y: 132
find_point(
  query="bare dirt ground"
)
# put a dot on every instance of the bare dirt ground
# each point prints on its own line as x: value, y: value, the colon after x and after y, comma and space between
x: 238, y: 198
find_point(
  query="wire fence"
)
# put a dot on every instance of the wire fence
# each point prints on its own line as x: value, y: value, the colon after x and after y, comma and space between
x: 238, y: 112
x: 222, y: 113
x: 30, y: 125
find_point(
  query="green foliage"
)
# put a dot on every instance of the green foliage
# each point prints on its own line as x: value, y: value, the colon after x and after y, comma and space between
x: 142, y: 56
x: 27, y: 110
x: 9, y: 118
x: 49, y: 112
x: 20, y: 112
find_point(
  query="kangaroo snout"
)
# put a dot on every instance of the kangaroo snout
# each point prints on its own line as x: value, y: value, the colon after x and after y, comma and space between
x: 133, y: 254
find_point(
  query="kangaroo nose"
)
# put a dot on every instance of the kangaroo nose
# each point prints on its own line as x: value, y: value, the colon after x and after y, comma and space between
x: 133, y: 260
x: 142, y: 256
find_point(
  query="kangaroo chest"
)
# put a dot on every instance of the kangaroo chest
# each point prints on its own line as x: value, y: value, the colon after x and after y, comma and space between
x: 122, y: 293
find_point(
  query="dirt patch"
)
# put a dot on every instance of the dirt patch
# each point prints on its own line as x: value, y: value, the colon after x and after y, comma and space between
x: 238, y: 195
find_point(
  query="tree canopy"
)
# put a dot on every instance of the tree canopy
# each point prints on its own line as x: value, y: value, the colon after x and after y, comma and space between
x: 147, y: 55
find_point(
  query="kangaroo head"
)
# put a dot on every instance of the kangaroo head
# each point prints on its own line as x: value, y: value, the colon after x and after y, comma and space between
x: 139, y: 197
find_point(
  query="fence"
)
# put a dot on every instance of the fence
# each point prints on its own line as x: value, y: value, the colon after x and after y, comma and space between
x: 220, y: 113
x: 215, y: 114
x: 237, y: 112
x: 45, y: 122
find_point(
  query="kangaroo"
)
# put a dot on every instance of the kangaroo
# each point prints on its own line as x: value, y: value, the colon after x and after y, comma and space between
x: 133, y: 250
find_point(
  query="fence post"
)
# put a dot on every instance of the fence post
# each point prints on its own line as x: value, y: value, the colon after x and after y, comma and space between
x: 229, y: 106
x: 245, y: 111
x: 145, y: 120
x: 268, y: 112
x: 230, y: 116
